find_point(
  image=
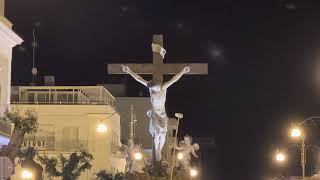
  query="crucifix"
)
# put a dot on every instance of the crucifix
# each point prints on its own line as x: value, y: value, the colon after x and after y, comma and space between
x: 158, y: 68
x: 157, y: 88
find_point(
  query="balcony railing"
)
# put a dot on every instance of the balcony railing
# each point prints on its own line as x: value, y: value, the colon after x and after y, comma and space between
x: 68, y: 145
x: 61, y: 95
x: 43, y: 145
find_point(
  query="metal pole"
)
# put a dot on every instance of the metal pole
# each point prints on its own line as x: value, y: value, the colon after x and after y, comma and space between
x: 303, y: 156
x: 131, y: 133
x: 174, y: 149
x: 1, y: 170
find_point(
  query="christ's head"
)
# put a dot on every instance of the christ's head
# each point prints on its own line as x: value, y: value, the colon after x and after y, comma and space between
x: 154, y: 86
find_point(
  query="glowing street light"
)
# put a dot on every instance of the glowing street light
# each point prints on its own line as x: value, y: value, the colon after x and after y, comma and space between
x: 102, y: 128
x: 193, y: 173
x: 26, y: 174
x: 280, y: 157
x: 138, y: 156
x: 180, y: 156
x: 296, y: 132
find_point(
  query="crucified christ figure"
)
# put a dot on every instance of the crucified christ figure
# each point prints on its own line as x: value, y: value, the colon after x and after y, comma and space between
x: 157, y: 115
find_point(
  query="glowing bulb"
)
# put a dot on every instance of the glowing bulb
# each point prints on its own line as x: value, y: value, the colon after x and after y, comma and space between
x: 295, y: 132
x: 180, y: 156
x: 26, y: 174
x: 193, y: 172
x: 102, y: 128
x: 138, y: 156
x: 280, y: 157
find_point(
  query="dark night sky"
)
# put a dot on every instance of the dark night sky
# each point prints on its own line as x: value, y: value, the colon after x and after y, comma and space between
x: 263, y: 59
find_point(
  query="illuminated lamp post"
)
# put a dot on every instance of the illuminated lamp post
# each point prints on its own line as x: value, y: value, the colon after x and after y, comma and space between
x: 296, y: 132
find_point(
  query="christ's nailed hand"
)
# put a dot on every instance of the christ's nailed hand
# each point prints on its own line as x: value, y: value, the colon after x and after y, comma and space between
x: 186, y: 69
x: 125, y: 69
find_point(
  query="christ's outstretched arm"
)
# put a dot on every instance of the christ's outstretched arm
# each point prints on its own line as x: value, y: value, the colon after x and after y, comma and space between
x: 176, y: 77
x: 138, y: 78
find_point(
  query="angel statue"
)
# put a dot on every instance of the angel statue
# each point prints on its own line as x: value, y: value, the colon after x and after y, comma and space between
x: 129, y: 152
x: 186, y: 148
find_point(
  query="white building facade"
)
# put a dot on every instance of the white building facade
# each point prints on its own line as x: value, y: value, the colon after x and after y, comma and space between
x: 8, y: 39
x: 68, y: 117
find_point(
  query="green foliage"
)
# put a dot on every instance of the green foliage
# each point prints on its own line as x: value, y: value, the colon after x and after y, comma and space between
x: 27, y: 155
x: 104, y: 175
x: 158, y: 171
x: 164, y: 173
x: 51, y: 164
x: 27, y: 122
x: 26, y: 160
x: 24, y: 123
x: 180, y: 174
x: 71, y: 168
x: 119, y: 176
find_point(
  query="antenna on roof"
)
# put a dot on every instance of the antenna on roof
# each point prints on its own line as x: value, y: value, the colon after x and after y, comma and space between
x: 132, y: 124
x: 34, y: 70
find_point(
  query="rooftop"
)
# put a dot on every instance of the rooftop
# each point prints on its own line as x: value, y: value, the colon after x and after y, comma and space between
x: 61, y: 95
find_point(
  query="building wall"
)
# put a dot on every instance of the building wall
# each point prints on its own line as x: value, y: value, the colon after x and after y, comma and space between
x: 1, y: 7
x: 8, y: 39
x: 84, y: 118
x: 117, y: 90
x: 5, y: 73
x: 141, y: 106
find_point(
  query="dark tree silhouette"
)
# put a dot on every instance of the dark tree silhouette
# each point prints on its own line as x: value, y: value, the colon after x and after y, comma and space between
x: 23, y: 123
x: 27, y: 161
x: 72, y: 167
x: 104, y: 175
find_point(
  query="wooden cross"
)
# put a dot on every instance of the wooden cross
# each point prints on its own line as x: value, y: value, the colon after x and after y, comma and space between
x: 158, y: 68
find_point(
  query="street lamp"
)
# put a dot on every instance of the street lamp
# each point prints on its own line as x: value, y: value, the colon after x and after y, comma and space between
x: 180, y: 156
x: 193, y: 173
x: 138, y: 156
x: 102, y: 128
x: 26, y: 174
x: 296, y: 132
x: 280, y: 157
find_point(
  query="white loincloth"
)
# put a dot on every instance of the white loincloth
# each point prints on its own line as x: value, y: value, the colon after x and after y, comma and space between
x: 157, y: 123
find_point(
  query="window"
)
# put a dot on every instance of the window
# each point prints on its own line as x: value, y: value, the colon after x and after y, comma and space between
x: 70, y: 97
x: 70, y: 138
x: 30, y: 97
x: 70, y: 133
x: 117, y: 139
x: 62, y: 97
x: 41, y: 97
x: 113, y: 137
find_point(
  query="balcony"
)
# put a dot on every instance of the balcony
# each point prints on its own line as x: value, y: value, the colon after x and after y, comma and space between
x: 64, y: 146
x: 94, y: 95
